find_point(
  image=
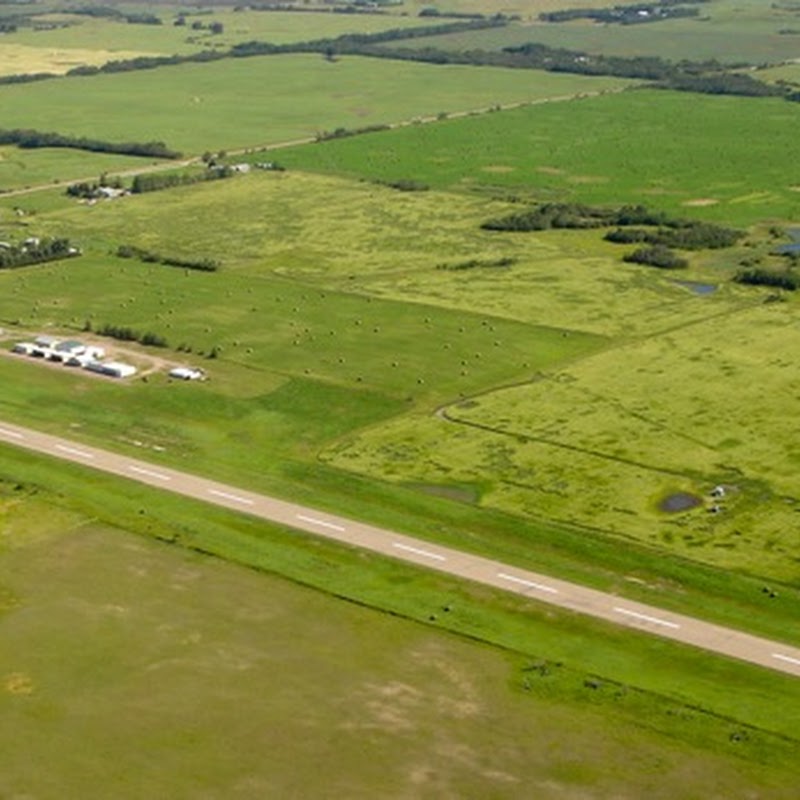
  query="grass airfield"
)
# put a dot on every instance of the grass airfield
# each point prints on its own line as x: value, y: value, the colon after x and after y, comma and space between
x: 372, y: 357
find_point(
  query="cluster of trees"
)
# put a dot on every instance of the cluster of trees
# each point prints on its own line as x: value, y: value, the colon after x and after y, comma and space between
x: 683, y: 234
x: 148, y: 257
x: 125, y: 334
x: 757, y: 276
x: 405, y: 185
x: 156, y: 181
x: 30, y: 139
x: 35, y: 252
x: 575, y: 215
x: 343, y: 133
x: 656, y: 256
x: 90, y: 190
x: 627, y: 15
x: 108, y: 12
x: 8, y: 27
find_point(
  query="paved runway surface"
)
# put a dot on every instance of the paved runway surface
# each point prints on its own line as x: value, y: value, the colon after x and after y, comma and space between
x: 574, y: 597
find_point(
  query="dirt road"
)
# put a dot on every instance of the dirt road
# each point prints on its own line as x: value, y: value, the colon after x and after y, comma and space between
x: 541, y: 588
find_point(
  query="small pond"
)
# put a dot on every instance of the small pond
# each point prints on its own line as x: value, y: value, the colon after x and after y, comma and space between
x: 697, y: 288
x: 679, y: 501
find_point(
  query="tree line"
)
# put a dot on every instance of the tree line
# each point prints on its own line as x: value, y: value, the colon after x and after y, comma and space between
x: 126, y: 334
x: 637, y: 14
x: 35, y: 252
x: 27, y: 138
x: 154, y: 182
x: 148, y: 257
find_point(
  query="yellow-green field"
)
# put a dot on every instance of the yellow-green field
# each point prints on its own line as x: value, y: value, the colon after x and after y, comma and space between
x: 19, y: 59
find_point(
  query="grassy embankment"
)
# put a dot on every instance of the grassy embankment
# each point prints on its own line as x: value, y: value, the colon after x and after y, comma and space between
x: 96, y: 623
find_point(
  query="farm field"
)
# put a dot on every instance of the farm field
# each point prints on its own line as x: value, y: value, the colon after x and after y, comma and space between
x: 20, y: 168
x: 115, y: 38
x: 374, y: 352
x: 194, y: 108
x: 730, y: 31
x: 18, y: 59
x: 678, y: 155
x: 151, y: 629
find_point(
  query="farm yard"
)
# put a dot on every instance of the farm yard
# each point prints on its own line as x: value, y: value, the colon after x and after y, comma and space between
x: 389, y: 336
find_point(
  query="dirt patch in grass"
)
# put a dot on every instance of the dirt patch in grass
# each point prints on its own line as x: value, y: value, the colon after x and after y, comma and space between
x: 701, y: 202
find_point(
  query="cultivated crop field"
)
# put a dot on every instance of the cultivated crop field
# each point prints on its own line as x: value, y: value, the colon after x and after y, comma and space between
x: 194, y: 108
x: 18, y: 59
x: 677, y: 156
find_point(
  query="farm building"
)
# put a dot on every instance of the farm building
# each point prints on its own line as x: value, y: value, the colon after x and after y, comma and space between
x: 187, y: 373
x: 113, y: 369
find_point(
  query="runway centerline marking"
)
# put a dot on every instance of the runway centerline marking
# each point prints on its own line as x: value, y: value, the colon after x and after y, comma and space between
x: 524, y: 582
x: 419, y: 551
x: 149, y: 473
x: 321, y: 522
x: 646, y: 617
x: 12, y: 434
x: 787, y: 659
x: 74, y: 451
x: 227, y: 496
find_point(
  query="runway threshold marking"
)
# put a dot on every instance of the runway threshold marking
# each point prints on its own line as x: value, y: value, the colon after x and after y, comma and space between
x: 646, y: 617
x: 235, y: 497
x: 12, y: 434
x: 787, y: 659
x: 524, y: 582
x: 321, y: 522
x: 419, y: 551
x: 149, y: 473
x: 74, y: 451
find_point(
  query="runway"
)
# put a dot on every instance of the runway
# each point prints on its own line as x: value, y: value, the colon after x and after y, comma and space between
x: 542, y: 588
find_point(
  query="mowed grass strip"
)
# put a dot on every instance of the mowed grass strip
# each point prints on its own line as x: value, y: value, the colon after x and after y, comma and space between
x: 678, y: 154
x: 253, y: 101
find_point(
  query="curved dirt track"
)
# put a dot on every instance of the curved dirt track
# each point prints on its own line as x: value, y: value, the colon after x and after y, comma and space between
x: 542, y: 588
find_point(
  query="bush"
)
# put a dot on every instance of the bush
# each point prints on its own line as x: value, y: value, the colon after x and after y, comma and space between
x: 657, y: 256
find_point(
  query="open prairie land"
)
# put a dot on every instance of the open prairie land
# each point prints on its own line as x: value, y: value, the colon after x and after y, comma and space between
x: 194, y: 108
x: 678, y: 154
x: 127, y: 665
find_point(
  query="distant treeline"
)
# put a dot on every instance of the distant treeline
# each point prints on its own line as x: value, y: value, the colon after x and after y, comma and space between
x: 30, y: 139
x: 342, y: 133
x: 656, y: 256
x: 156, y: 181
x: 38, y: 252
x: 148, y: 257
x: 627, y: 15
x: 680, y: 233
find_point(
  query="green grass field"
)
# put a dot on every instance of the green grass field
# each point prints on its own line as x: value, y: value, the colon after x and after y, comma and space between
x: 195, y: 109
x: 20, y: 168
x: 678, y: 154
x: 114, y: 38
x: 727, y: 30
x: 111, y: 640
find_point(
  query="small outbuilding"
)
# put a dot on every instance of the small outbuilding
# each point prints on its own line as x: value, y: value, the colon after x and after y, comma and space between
x: 187, y: 373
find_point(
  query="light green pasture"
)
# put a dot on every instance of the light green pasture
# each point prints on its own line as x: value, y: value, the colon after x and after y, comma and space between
x: 20, y: 168
x: 109, y: 641
x: 114, y: 37
x: 667, y: 150
x: 603, y: 442
x: 253, y: 101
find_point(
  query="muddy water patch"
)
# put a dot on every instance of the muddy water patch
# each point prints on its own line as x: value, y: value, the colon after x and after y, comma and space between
x: 679, y: 501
